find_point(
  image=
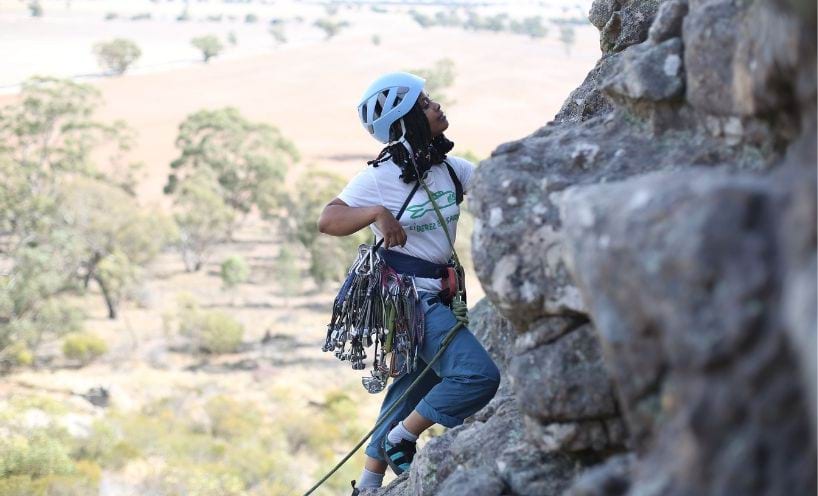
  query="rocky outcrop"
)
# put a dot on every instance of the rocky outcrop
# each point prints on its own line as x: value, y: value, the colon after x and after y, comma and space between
x: 650, y: 261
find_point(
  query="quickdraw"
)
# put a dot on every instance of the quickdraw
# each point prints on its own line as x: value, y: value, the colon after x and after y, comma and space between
x: 376, y: 305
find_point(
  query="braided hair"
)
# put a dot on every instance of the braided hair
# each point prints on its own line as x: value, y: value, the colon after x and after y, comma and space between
x: 427, y: 151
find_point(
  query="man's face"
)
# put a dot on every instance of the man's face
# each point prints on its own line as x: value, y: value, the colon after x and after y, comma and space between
x: 437, y: 119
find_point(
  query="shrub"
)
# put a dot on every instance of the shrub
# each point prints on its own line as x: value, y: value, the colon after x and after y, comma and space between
x: 232, y: 39
x: 209, y: 45
x: 234, y: 271
x: 210, y: 331
x: 250, y: 18
x: 232, y: 419
x: 110, y: 16
x: 277, y: 32
x: 83, y: 346
x: 144, y: 16
x: 37, y: 456
x: 220, y: 333
x: 117, y: 55
x: 330, y: 26
x: 376, y: 39
x: 35, y: 8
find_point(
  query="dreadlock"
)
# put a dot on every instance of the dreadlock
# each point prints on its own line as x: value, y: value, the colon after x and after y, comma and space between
x: 427, y: 151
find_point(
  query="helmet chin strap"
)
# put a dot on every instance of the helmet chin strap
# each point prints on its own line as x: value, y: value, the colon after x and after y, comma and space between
x: 402, y: 138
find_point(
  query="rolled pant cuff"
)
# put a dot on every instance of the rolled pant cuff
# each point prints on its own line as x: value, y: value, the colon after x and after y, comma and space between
x: 372, y: 451
x: 425, y: 409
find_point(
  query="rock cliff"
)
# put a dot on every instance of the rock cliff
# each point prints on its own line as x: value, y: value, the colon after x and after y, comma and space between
x: 649, y: 258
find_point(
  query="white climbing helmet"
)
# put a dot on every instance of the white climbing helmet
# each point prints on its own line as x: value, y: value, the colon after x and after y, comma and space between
x: 386, y: 100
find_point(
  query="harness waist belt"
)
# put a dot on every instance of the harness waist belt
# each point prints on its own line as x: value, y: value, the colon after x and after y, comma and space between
x: 413, y: 266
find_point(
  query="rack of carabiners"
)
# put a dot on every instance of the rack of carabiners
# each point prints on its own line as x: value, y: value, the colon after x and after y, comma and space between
x: 376, y: 305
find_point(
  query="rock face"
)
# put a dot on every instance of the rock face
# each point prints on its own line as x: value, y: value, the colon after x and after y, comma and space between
x: 650, y: 261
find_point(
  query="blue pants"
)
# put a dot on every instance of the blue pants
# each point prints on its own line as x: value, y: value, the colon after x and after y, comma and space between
x: 461, y: 382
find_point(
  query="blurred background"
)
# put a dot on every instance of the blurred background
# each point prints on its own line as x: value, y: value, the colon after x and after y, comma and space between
x: 163, y: 291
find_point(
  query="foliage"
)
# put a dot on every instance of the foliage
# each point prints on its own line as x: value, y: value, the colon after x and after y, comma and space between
x: 438, y: 79
x: 60, y: 216
x: 209, y: 45
x: 246, y: 161
x: 110, y: 16
x: 277, y: 32
x: 329, y: 256
x: 376, y: 39
x: 234, y: 271
x: 117, y: 55
x: 287, y: 271
x: 567, y: 36
x: 202, y: 217
x: 531, y: 26
x: 35, y: 8
x: 250, y: 18
x: 330, y: 27
x: 232, y: 39
x: 116, y: 236
x: 83, y: 347
x: 470, y: 156
x: 210, y: 331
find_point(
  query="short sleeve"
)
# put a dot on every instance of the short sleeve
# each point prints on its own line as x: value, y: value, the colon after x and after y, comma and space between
x: 464, y: 170
x: 362, y: 190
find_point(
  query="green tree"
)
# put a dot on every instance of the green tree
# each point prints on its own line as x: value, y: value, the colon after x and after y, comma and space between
x: 567, y: 37
x: 330, y: 27
x: 287, y: 271
x: 438, y: 78
x: 247, y: 160
x: 277, y: 32
x: 117, y: 238
x: 329, y: 256
x: 210, y: 46
x: 234, y: 271
x: 203, y: 219
x: 47, y: 140
x: 117, y: 55
x: 35, y: 8
x: 531, y: 26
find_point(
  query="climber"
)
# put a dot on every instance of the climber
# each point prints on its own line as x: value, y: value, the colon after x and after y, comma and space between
x: 396, y: 111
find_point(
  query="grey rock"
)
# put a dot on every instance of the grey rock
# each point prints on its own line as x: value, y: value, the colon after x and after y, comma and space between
x: 710, y: 70
x: 622, y: 23
x: 474, y: 482
x: 611, y: 478
x: 565, y: 381
x: 585, y: 435
x: 700, y: 249
x: 668, y: 21
x: 529, y: 472
x: 493, y: 331
x: 587, y: 100
x: 649, y: 72
x: 432, y: 465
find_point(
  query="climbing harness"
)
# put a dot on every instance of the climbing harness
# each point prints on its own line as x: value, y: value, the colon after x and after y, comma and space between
x: 459, y: 309
x: 378, y: 304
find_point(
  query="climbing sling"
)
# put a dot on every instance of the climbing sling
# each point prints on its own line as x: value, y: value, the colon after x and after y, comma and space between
x: 459, y: 309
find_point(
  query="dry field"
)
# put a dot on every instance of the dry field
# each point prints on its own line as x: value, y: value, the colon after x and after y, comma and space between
x: 506, y: 87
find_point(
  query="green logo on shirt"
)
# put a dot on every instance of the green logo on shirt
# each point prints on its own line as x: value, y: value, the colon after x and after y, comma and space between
x: 420, y: 210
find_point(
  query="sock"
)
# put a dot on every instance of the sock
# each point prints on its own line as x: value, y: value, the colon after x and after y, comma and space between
x: 399, y: 433
x: 370, y: 479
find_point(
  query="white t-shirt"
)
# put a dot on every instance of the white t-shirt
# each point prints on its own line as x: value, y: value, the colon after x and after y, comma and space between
x: 425, y: 237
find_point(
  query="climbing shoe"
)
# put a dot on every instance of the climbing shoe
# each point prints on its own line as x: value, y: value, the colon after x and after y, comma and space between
x: 398, y: 456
